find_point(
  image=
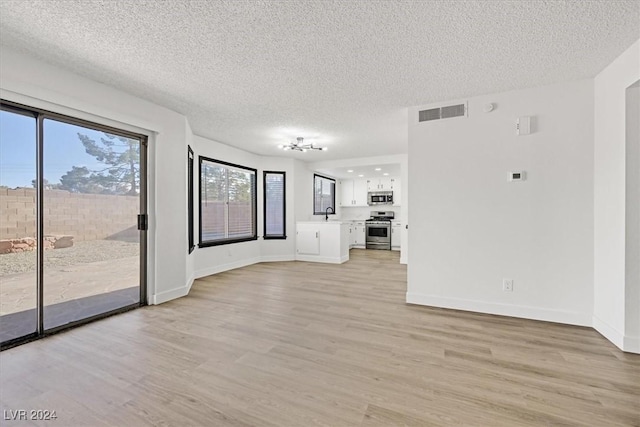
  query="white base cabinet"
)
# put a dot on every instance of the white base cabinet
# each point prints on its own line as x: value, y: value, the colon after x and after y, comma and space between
x: 326, y: 242
x: 358, y: 235
x: 396, y: 236
x: 308, y: 241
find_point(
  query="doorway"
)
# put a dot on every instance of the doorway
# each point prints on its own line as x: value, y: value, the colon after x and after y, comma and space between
x: 73, y: 211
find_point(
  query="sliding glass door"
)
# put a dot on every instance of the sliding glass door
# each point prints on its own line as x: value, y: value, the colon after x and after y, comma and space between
x: 83, y: 192
x: 18, y: 299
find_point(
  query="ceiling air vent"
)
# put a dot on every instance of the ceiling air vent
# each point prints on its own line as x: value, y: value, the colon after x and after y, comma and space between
x: 441, y: 113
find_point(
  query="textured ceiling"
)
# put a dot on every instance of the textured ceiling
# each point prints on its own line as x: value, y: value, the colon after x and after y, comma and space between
x: 256, y: 73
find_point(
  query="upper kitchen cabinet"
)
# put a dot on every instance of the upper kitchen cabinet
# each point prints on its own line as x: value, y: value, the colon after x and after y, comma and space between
x: 381, y: 184
x: 397, y: 193
x: 354, y: 192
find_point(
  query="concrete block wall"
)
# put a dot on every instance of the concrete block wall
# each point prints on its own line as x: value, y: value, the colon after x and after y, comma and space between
x: 83, y: 216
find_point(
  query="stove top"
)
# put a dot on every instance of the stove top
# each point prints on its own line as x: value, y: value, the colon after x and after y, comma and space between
x: 381, y: 216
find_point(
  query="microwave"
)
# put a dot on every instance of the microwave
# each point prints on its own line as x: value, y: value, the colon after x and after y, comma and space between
x: 380, y: 198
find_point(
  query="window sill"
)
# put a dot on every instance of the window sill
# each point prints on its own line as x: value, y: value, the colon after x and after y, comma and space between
x: 226, y: 242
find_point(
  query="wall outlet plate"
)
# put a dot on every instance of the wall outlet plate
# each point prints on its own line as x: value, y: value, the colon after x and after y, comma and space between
x: 517, y: 176
x: 507, y: 285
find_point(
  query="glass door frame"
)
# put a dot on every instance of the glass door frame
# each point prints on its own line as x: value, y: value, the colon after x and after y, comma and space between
x: 40, y: 115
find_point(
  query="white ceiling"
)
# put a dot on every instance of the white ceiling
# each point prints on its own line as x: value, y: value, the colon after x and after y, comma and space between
x: 372, y: 170
x: 254, y: 74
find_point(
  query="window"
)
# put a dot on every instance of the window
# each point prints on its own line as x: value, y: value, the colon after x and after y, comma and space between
x: 227, y: 203
x: 274, y: 205
x: 190, y: 198
x: 324, y: 194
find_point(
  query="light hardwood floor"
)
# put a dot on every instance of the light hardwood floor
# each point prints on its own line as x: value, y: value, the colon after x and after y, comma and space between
x: 302, y: 344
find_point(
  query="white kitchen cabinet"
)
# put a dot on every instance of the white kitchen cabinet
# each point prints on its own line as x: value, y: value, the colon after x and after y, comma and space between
x: 322, y: 241
x: 346, y: 187
x: 396, y: 235
x: 381, y: 184
x: 358, y: 235
x: 397, y: 193
x: 354, y: 193
x: 308, y: 241
x: 352, y: 235
x: 360, y: 192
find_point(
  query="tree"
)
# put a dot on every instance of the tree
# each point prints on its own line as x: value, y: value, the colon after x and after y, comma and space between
x: 47, y: 185
x: 120, y: 155
x: 82, y: 180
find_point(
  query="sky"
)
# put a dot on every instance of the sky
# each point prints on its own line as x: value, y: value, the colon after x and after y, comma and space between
x: 62, y: 149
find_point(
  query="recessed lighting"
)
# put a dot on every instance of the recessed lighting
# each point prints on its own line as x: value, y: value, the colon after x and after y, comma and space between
x: 385, y: 174
x: 350, y: 170
x: 378, y: 169
x: 360, y: 176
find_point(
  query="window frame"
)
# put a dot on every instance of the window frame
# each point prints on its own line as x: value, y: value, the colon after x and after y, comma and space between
x: 190, y: 190
x: 282, y: 236
x: 254, y: 211
x: 315, y: 175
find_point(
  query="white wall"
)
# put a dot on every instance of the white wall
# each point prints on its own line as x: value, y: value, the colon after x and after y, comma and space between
x: 191, y: 257
x: 632, y: 218
x: 470, y: 227
x: 34, y: 83
x: 610, y: 199
x: 303, y: 188
x: 214, y: 259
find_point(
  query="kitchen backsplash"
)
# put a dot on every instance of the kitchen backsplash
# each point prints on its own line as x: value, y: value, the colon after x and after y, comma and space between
x: 365, y: 212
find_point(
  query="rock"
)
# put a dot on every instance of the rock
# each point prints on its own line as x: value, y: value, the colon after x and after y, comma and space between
x: 5, y: 246
x: 29, y: 244
x: 29, y: 241
x: 63, y: 242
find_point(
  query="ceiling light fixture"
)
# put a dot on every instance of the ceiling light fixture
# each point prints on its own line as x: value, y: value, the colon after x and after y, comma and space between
x: 299, y: 145
x: 378, y: 169
x: 350, y: 170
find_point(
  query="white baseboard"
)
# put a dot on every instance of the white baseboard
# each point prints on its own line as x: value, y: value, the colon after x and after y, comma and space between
x: 623, y: 342
x: 325, y: 259
x: 631, y: 344
x: 534, y: 313
x: 190, y: 282
x: 608, y: 331
x: 170, y: 295
x: 226, y: 267
x: 277, y: 258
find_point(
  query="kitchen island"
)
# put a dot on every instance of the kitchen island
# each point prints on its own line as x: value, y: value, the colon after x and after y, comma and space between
x: 322, y: 241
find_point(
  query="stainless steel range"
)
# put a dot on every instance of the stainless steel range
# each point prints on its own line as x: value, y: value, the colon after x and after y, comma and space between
x: 378, y: 230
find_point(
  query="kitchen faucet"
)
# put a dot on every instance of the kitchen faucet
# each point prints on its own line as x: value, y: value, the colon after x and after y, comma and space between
x: 326, y: 213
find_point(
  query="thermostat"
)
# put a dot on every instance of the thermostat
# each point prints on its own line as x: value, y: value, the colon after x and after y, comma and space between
x: 517, y: 176
x: 523, y: 125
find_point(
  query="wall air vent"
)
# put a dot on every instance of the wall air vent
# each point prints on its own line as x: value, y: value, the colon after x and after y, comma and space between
x: 426, y: 115
x: 452, y: 111
x: 441, y: 113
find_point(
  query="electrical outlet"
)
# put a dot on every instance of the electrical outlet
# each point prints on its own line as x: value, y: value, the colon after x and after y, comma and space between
x: 507, y: 285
